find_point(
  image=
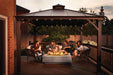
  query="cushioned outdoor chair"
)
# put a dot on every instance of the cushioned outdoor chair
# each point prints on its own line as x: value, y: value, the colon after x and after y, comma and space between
x: 30, y: 53
x: 84, y: 53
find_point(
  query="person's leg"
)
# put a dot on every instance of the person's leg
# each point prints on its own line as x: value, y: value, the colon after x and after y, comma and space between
x: 37, y: 55
x: 42, y: 55
x: 75, y: 54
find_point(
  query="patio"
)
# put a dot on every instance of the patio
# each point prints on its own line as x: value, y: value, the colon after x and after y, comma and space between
x: 80, y: 67
x: 59, y: 17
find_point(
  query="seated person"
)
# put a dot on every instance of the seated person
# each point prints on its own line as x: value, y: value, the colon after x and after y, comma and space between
x: 59, y: 46
x: 65, y: 45
x: 80, y: 48
x: 37, y: 49
x: 72, y: 47
x: 53, y: 47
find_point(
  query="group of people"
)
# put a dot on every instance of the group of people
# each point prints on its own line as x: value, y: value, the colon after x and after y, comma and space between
x: 70, y: 47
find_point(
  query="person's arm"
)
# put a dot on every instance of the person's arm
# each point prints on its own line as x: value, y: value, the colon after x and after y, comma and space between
x: 33, y: 48
x: 80, y: 48
x: 56, y: 49
x: 49, y: 49
x: 76, y: 45
x: 67, y: 47
x: 85, y: 48
x: 40, y: 48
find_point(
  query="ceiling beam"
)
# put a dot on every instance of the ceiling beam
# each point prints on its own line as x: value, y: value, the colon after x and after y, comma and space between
x: 61, y: 17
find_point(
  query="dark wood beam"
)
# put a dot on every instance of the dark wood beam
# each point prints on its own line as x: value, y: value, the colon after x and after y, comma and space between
x: 61, y: 17
x: 81, y: 33
x: 34, y: 38
x: 18, y: 44
x: 99, y: 46
x: 92, y: 23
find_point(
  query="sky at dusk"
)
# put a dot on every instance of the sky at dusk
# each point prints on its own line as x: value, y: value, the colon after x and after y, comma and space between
x: 36, y: 5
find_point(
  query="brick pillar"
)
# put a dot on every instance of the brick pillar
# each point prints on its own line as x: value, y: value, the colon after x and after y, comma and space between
x: 10, y: 46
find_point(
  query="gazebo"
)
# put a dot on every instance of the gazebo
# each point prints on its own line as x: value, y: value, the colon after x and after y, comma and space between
x: 60, y: 16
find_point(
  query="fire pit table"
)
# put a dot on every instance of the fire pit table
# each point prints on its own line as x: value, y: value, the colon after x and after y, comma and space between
x: 57, y: 58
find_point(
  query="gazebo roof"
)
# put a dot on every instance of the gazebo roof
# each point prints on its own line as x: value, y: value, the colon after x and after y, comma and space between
x: 51, y: 12
x: 58, y: 10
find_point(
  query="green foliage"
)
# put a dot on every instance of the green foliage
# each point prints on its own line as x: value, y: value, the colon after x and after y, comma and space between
x: 67, y: 30
x: 58, y: 37
x: 48, y: 30
x: 89, y: 30
x: 31, y: 29
x: 84, y: 10
x: 108, y: 27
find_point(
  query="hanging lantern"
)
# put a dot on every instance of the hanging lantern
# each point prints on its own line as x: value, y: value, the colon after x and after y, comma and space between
x: 56, y: 25
x: 51, y: 19
x: 61, y: 25
x: 46, y: 25
x: 36, y: 19
x: 70, y: 19
x: 51, y: 26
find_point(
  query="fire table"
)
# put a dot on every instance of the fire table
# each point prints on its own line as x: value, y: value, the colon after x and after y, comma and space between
x: 57, y: 58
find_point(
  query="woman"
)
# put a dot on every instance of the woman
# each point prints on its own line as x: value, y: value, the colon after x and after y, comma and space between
x: 80, y: 48
x: 73, y: 47
x: 65, y: 45
x: 37, y: 49
x: 53, y: 47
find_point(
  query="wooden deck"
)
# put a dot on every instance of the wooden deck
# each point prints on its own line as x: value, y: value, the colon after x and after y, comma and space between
x: 80, y: 67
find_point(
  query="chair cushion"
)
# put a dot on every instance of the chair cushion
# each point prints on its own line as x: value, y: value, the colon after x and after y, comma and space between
x: 29, y: 47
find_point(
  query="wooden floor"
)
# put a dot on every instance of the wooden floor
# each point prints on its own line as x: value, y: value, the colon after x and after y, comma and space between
x: 80, y: 67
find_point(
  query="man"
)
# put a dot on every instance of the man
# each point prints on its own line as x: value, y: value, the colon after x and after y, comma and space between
x: 80, y: 48
x: 72, y: 47
x: 65, y: 45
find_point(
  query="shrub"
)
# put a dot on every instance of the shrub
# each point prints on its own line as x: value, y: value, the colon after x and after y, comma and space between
x: 57, y: 37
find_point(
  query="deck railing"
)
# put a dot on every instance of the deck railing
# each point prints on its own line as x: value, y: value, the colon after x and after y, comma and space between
x: 106, y: 57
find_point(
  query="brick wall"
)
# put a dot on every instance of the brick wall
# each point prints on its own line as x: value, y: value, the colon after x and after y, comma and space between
x: 25, y: 39
x: 7, y: 7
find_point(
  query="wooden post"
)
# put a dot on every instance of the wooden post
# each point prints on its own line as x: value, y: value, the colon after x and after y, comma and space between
x: 34, y: 39
x: 18, y: 43
x: 99, y: 46
x: 107, y: 40
x: 81, y: 33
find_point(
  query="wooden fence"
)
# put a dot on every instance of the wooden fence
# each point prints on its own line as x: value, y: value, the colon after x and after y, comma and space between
x: 107, y: 40
x: 106, y: 57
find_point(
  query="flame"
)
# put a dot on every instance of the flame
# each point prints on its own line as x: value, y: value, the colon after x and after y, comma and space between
x: 57, y: 53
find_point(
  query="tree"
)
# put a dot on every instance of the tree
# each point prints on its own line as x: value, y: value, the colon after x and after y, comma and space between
x: 57, y: 37
x: 83, y: 10
x: 108, y: 27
